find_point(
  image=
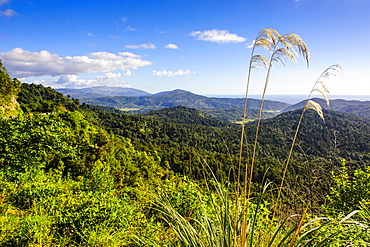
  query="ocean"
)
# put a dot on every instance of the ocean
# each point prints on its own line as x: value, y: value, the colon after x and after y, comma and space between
x: 293, y: 99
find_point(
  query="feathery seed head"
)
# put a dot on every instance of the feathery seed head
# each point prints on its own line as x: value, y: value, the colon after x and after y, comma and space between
x: 323, y: 95
x: 259, y: 61
x: 268, y: 39
x: 310, y: 104
x: 283, y: 54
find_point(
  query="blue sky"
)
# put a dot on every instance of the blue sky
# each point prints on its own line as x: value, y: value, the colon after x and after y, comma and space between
x: 200, y: 46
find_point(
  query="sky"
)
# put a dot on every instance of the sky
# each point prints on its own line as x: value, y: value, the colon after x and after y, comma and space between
x: 200, y: 46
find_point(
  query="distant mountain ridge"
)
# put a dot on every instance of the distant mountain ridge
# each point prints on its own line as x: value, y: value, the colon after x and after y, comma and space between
x: 102, y: 91
x: 180, y: 97
x: 360, y: 108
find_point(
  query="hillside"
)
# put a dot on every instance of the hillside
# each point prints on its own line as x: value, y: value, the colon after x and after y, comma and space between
x: 102, y: 91
x: 177, y: 98
x: 235, y: 115
x: 185, y: 115
x: 360, y: 108
x: 80, y: 169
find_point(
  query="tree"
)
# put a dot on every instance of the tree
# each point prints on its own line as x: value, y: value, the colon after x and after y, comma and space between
x: 8, y: 90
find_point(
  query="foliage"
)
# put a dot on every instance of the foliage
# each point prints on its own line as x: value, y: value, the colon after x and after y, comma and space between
x: 37, y: 98
x: 8, y: 91
x: 360, y: 108
x: 350, y: 190
x: 67, y: 182
x: 236, y: 114
x: 179, y: 98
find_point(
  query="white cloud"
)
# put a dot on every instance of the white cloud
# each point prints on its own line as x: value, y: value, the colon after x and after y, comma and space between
x: 159, y: 31
x: 128, y: 73
x: 171, y: 46
x: 8, y: 13
x: 171, y: 74
x: 131, y: 29
x: 218, y: 36
x: 129, y: 54
x: 91, y: 35
x: 144, y: 46
x: 250, y: 45
x: 74, y: 81
x: 123, y: 19
x: 2, y: 2
x: 21, y: 63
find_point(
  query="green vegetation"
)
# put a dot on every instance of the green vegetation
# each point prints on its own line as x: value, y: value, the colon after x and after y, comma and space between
x: 235, y: 115
x: 181, y: 98
x: 75, y: 174
x: 8, y: 91
x: 360, y: 108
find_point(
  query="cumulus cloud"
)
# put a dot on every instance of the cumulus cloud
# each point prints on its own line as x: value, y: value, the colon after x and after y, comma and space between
x: 22, y: 64
x: 144, y: 46
x: 171, y: 46
x: 129, y: 54
x: 172, y: 74
x: 8, y: 13
x: 128, y: 73
x: 218, y: 36
x: 74, y: 81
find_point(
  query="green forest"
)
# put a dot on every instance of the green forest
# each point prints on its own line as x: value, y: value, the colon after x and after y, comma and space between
x: 75, y: 174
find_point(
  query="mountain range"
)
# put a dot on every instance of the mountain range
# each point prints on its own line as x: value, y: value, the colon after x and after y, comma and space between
x: 179, y: 97
x: 228, y: 109
x: 96, y: 92
x: 360, y: 108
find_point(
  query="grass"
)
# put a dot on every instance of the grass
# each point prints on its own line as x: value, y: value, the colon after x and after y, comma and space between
x: 129, y: 109
x: 244, y: 121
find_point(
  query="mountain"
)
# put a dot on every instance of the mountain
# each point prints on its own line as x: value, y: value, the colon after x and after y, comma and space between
x: 360, y: 108
x: 180, y: 97
x: 96, y: 92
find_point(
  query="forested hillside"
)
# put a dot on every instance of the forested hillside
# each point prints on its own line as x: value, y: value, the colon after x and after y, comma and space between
x: 180, y: 97
x: 96, y: 92
x: 86, y: 175
x: 360, y: 108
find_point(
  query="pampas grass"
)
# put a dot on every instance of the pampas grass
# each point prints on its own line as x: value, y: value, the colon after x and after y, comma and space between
x: 231, y: 218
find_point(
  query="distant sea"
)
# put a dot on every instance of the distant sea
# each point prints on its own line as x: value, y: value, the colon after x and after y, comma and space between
x: 293, y: 99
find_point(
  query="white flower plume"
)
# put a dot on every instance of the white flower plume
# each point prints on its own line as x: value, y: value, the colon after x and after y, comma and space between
x: 218, y: 36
